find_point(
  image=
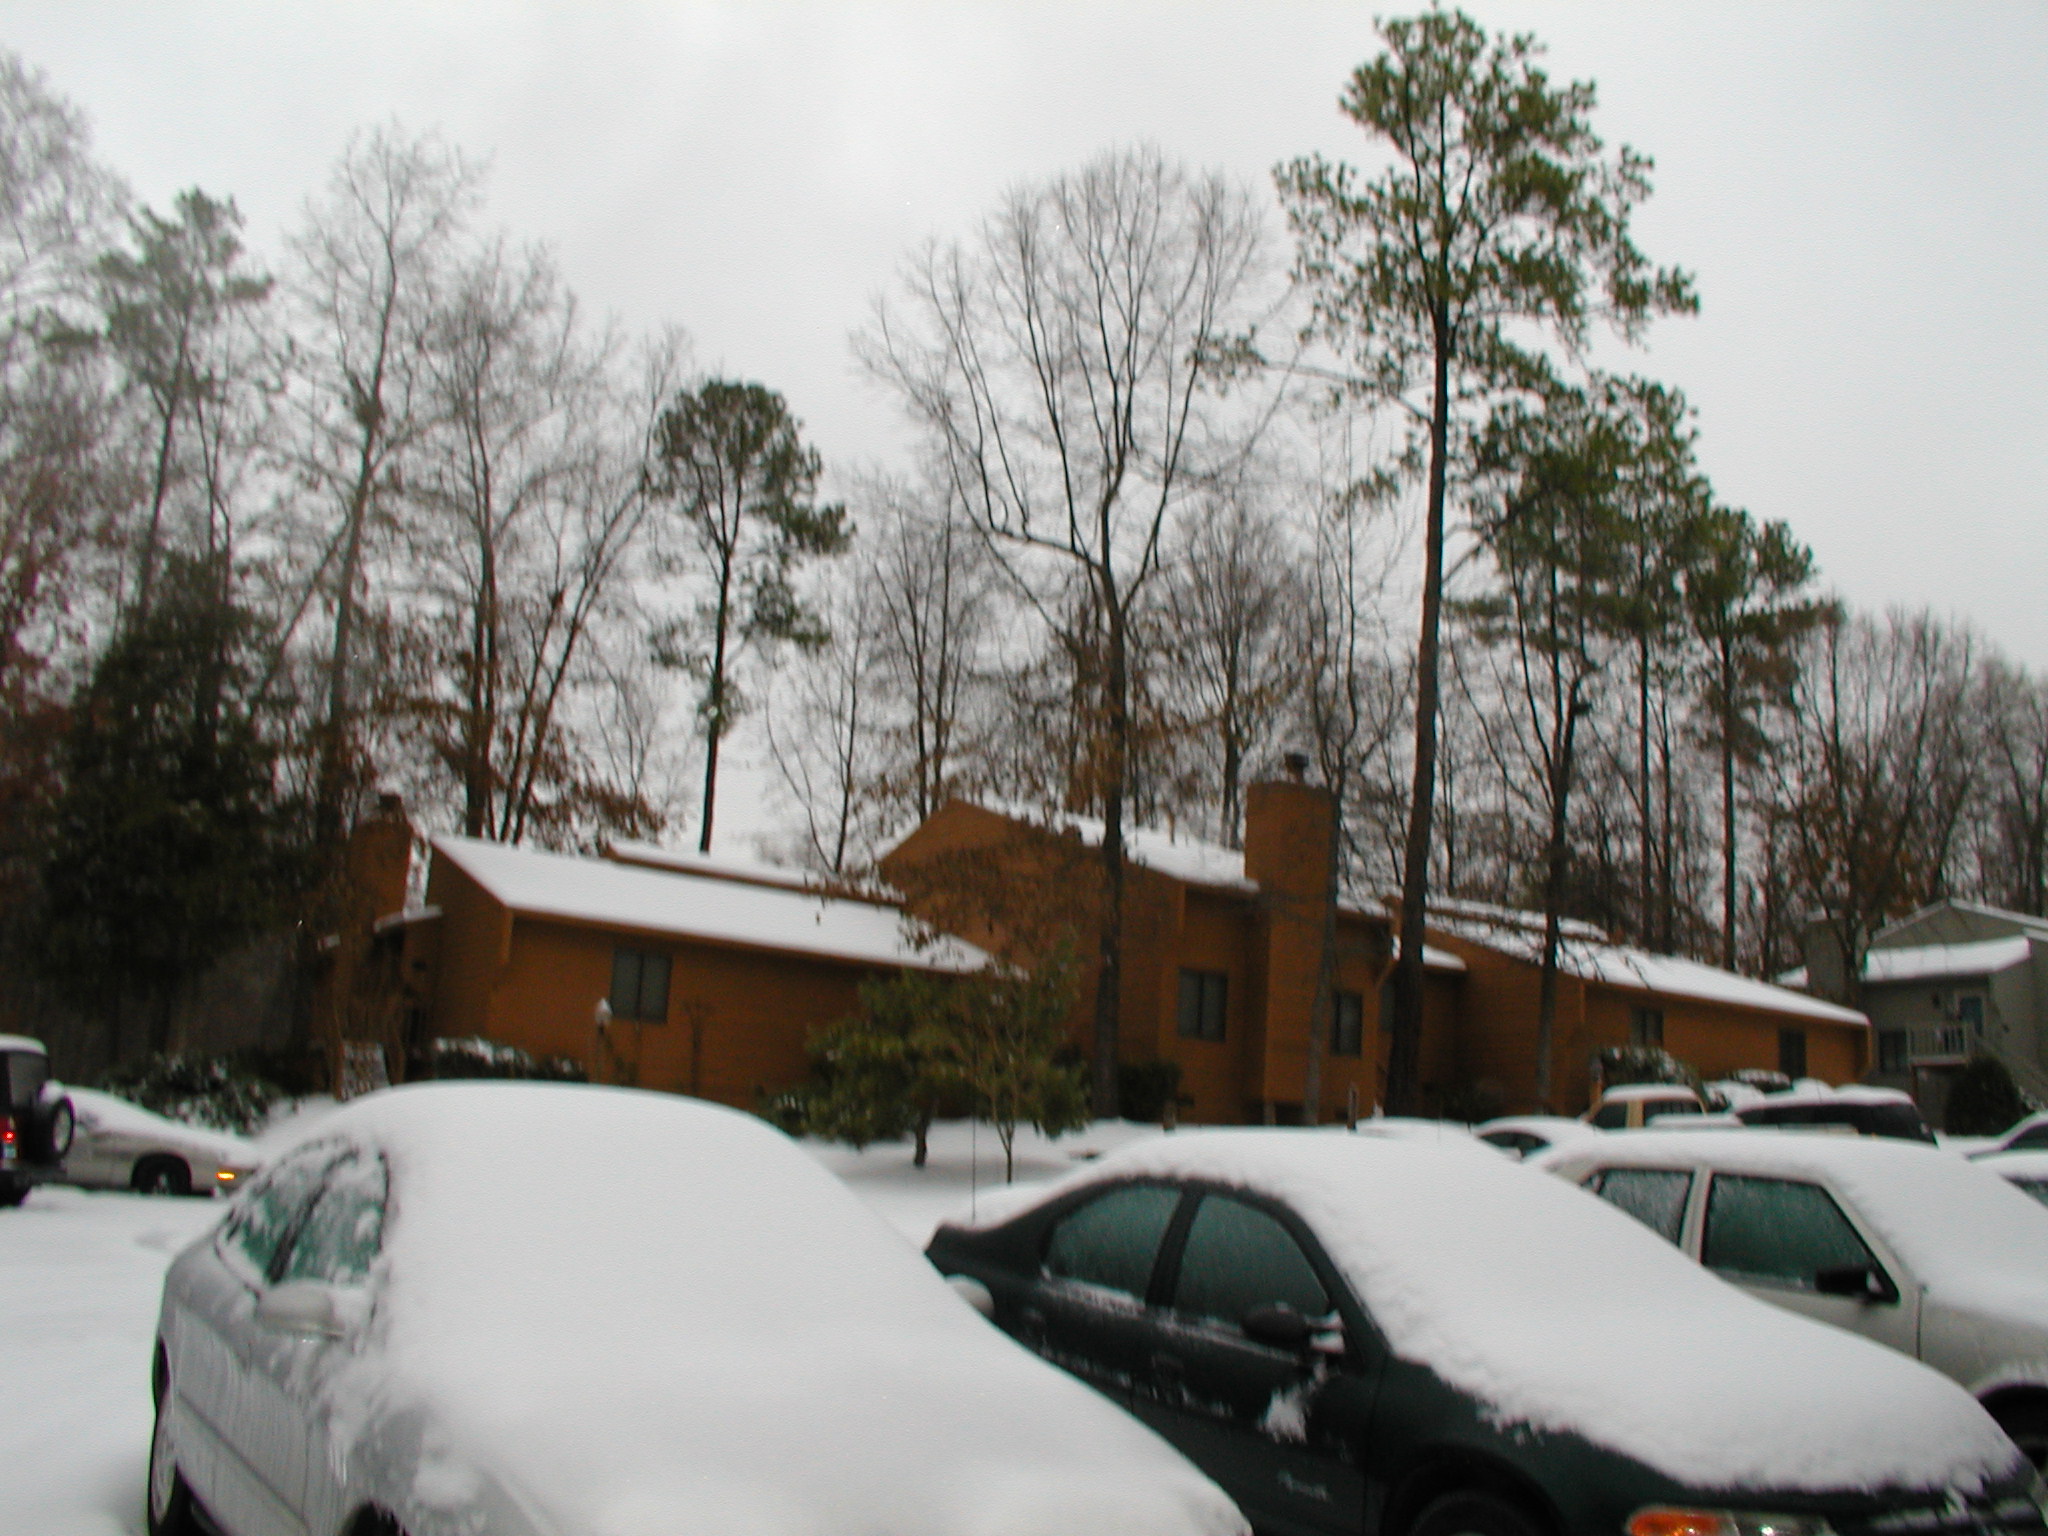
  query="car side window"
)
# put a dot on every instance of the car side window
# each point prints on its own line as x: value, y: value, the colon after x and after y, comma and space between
x: 272, y: 1207
x: 2038, y: 1188
x: 340, y: 1236
x: 2033, y: 1139
x: 1238, y: 1258
x: 1654, y: 1196
x: 1779, y: 1230
x: 1612, y: 1117
x: 1113, y: 1240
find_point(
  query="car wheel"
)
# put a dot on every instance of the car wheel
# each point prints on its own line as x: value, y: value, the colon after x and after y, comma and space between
x: 59, y: 1125
x: 2025, y: 1422
x: 170, y: 1500
x: 12, y: 1193
x: 161, y: 1176
x: 1471, y: 1513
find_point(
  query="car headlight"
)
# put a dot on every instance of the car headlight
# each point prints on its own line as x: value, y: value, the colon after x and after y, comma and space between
x: 1661, y: 1520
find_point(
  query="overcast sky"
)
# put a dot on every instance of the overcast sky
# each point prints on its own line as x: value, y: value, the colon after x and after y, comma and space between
x: 1860, y: 189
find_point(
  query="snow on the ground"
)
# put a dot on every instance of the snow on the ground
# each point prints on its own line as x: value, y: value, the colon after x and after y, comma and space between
x: 81, y: 1271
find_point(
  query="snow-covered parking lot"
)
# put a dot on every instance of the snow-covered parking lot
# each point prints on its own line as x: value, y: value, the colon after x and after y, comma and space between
x: 80, y: 1273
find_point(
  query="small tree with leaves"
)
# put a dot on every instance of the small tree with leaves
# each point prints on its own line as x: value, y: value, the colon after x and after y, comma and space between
x: 874, y: 1076
x: 730, y: 460
x: 1983, y: 1100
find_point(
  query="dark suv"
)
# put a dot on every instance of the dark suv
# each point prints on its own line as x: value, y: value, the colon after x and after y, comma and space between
x: 35, y: 1119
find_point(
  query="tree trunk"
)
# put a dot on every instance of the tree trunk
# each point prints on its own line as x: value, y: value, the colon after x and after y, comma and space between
x: 1109, y: 978
x: 1727, y: 816
x: 1556, y: 859
x: 1404, y: 1056
x: 714, y: 714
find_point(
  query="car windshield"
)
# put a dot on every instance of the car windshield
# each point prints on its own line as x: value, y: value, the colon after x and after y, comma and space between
x: 25, y: 1074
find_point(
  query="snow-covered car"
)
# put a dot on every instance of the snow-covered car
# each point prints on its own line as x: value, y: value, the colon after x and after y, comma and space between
x: 676, y: 1321
x: 1526, y: 1135
x: 35, y: 1119
x: 2026, y: 1171
x: 2029, y: 1135
x: 119, y: 1145
x: 1375, y: 1336
x: 1633, y: 1105
x: 1900, y: 1242
x: 1852, y: 1108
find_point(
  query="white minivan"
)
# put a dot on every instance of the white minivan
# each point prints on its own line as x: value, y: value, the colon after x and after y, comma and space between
x: 1902, y: 1242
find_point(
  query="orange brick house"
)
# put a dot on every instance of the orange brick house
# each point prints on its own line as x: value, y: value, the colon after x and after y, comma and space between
x: 1611, y: 994
x: 708, y: 977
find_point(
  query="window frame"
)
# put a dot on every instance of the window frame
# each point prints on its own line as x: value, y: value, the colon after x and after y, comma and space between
x: 1209, y: 1019
x: 636, y: 1014
x: 1176, y: 1218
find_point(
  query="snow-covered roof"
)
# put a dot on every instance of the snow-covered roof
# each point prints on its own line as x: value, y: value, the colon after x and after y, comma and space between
x: 2025, y: 921
x: 611, y: 894
x: 1623, y: 965
x: 21, y: 1043
x: 1926, y: 962
x: 1560, y: 1312
x: 634, y: 1352
x: 1512, y: 917
x: 1166, y: 852
x: 718, y: 866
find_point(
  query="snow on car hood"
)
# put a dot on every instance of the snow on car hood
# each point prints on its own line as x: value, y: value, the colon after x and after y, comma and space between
x: 651, y: 1315
x: 1559, y: 1312
x: 113, y: 1114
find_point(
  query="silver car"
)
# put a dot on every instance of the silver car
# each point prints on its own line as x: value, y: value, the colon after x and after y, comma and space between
x: 1896, y: 1240
x: 519, y: 1309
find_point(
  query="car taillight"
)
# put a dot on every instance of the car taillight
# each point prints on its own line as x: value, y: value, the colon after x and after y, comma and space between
x: 6, y: 1130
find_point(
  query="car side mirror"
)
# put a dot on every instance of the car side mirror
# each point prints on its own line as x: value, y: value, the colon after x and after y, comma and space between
x: 1865, y: 1282
x: 303, y: 1308
x: 1278, y: 1325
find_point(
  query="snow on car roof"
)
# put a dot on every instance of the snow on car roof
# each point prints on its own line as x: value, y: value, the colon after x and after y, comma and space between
x: 1956, y: 1226
x: 1562, y: 1313
x: 1627, y: 1093
x: 660, y: 1315
x: 1806, y: 1092
x: 21, y: 1043
x: 2031, y: 1166
x: 699, y: 906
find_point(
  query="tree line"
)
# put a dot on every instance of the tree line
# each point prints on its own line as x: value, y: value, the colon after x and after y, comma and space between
x: 1205, y: 478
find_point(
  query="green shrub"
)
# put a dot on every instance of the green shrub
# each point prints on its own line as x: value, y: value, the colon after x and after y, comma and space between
x: 472, y: 1056
x: 1983, y: 1100
x: 215, y: 1091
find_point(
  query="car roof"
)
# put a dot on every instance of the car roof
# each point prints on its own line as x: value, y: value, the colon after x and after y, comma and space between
x: 1536, y: 1299
x: 2030, y: 1164
x: 1630, y: 1091
x: 21, y: 1043
x: 1955, y: 1222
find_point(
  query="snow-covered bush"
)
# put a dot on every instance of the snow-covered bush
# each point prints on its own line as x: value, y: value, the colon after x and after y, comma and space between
x: 474, y: 1056
x: 201, y: 1090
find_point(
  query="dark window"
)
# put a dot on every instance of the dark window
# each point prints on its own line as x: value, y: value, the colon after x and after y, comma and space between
x: 1654, y: 1196
x: 341, y: 1235
x: 1894, y: 1049
x: 1777, y: 1230
x: 2033, y: 1137
x: 1347, y: 1024
x: 1792, y: 1052
x: 1204, y: 997
x: 2038, y: 1188
x: 1612, y: 1116
x: 1111, y: 1241
x: 1239, y: 1258
x: 1970, y: 1011
x: 1646, y: 1026
x: 639, y: 985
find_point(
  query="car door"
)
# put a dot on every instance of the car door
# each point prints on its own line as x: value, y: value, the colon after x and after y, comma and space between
x: 88, y: 1162
x: 235, y: 1439
x: 1281, y: 1424
x: 333, y: 1246
x: 1096, y: 1268
x: 1778, y: 1238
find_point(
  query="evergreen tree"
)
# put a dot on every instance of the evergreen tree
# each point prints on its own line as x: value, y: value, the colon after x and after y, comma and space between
x: 1498, y: 215
x: 167, y: 845
x: 874, y: 1076
x: 1983, y: 1100
x: 731, y: 460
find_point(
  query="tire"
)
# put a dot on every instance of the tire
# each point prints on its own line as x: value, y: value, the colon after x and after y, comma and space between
x: 161, y: 1176
x: 11, y: 1193
x: 56, y: 1124
x: 168, y: 1506
x: 1472, y: 1513
x: 2025, y: 1422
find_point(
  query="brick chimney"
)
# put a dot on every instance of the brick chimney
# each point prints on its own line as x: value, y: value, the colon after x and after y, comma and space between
x: 380, y: 858
x: 1287, y: 838
x: 1287, y: 851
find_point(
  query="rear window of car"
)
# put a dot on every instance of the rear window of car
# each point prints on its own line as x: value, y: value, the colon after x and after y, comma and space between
x: 1113, y: 1240
x: 22, y: 1075
x: 1654, y: 1196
